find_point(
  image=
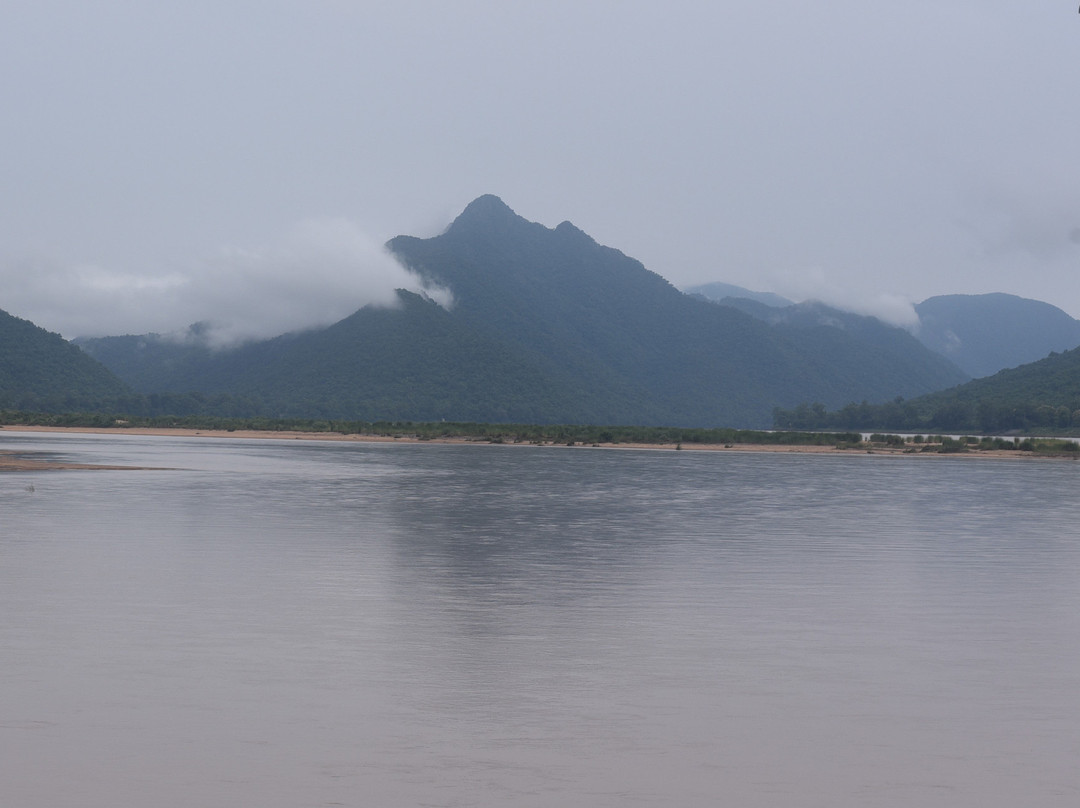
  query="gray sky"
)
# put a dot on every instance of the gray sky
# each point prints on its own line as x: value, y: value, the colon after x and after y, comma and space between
x: 242, y: 161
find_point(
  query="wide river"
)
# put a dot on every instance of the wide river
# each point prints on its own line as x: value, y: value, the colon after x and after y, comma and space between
x: 294, y: 624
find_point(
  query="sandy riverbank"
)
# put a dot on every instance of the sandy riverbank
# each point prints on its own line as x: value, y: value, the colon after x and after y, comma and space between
x: 29, y: 461
x: 24, y: 461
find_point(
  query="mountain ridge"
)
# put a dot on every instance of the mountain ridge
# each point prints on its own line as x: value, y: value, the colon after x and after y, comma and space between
x: 546, y: 325
x: 986, y: 333
x: 40, y: 369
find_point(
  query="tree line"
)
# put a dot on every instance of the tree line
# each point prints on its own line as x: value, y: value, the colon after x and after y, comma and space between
x: 567, y: 434
x: 950, y: 415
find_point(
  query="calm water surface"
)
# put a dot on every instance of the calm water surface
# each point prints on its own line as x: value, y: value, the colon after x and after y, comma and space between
x: 290, y: 624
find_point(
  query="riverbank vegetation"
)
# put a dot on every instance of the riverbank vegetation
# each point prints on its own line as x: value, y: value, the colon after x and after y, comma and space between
x: 560, y: 434
x: 1041, y: 398
x: 938, y: 414
x: 495, y: 433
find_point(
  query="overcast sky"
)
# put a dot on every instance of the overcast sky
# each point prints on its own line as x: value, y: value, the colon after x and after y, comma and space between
x: 242, y: 162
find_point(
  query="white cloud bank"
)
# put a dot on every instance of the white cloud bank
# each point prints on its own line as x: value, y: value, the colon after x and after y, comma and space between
x: 317, y: 273
x: 814, y: 284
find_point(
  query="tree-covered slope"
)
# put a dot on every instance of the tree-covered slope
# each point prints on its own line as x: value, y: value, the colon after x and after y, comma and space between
x: 852, y: 340
x: 1043, y: 394
x: 983, y: 334
x: 416, y: 361
x: 1039, y: 396
x: 592, y: 308
x: 546, y: 326
x: 719, y: 291
x: 42, y: 370
x: 152, y: 363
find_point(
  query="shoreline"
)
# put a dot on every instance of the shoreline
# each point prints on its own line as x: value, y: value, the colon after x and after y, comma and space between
x: 25, y: 461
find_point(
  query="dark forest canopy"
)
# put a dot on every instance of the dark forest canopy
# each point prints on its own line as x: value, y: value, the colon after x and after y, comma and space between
x: 41, y: 370
x: 1043, y: 396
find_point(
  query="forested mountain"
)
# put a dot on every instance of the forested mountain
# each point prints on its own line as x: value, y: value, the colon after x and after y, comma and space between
x: 983, y: 334
x: 980, y: 334
x: 718, y: 291
x: 852, y: 338
x: 42, y: 370
x: 413, y: 362
x: 546, y: 326
x: 1042, y: 396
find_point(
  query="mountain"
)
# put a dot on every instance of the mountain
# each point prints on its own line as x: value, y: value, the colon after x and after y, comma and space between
x: 1039, y: 395
x: 546, y: 326
x: 40, y: 370
x: 980, y: 334
x: 983, y: 334
x: 1042, y: 396
x: 152, y: 363
x: 850, y: 338
x: 719, y: 291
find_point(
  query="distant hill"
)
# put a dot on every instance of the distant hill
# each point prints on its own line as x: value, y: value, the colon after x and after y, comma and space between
x: 153, y: 363
x: 983, y: 334
x: 1041, y: 396
x: 980, y: 334
x: 719, y: 291
x: 40, y: 370
x: 546, y: 326
x: 851, y: 338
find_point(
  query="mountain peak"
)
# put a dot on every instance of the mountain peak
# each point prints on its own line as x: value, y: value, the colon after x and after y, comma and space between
x: 570, y: 230
x: 484, y: 211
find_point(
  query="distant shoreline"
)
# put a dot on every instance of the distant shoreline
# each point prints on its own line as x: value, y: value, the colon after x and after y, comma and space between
x: 31, y: 461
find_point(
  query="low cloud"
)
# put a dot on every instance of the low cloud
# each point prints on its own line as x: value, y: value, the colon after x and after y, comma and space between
x: 814, y: 284
x: 316, y: 274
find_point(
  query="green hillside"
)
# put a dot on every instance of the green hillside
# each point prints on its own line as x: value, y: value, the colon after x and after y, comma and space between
x: 40, y: 370
x: 718, y: 292
x: 546, y: 326
x: 852, y: 340
x: 1042, y: 396
x: 983, y: 334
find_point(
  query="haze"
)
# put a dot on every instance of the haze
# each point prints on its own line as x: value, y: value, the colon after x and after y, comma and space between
x: 242, y: 162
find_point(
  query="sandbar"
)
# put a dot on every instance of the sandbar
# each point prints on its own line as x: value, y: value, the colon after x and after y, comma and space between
x: 28, y: 461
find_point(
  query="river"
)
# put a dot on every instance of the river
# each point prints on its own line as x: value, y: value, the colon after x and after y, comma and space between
x: 292, y: 624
